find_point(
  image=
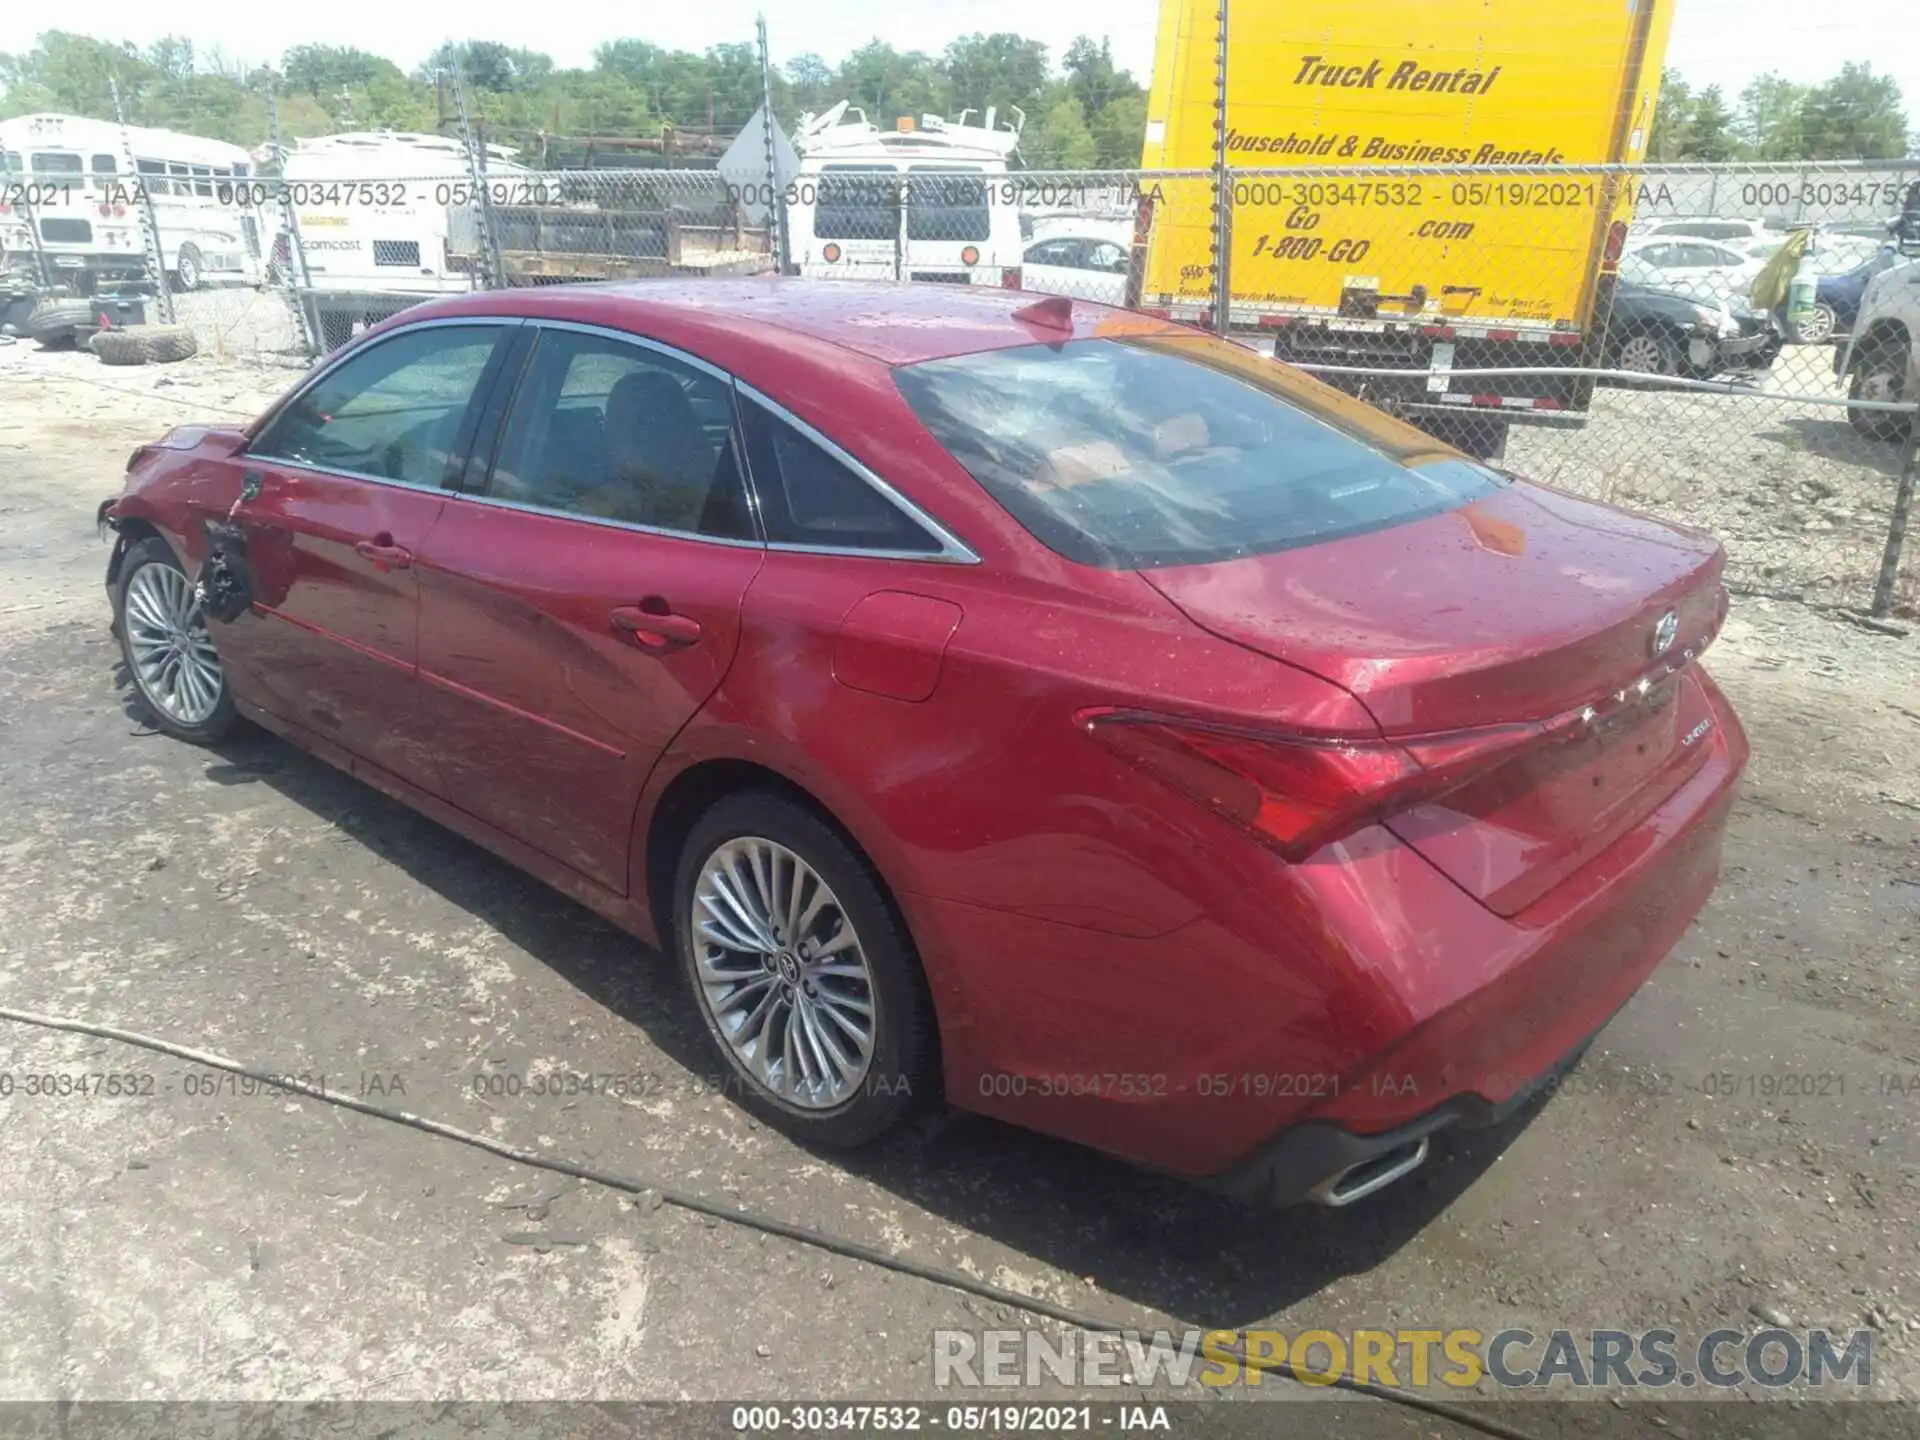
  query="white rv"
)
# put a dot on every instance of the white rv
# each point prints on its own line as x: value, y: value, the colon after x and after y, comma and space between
x: 384, y: 221
x: 69, y: 176
x: 929, y: 200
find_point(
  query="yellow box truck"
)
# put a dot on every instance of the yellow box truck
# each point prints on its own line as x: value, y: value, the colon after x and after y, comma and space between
x: 1353, y: 264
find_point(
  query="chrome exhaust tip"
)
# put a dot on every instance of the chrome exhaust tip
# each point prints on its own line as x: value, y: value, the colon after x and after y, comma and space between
x: 1356, y: 1182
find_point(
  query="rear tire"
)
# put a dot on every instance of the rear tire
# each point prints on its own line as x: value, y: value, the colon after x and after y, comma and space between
x: 761, y: 886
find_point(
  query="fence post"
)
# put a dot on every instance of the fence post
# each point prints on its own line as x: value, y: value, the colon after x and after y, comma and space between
x: 1897, y: 527
x: 491, y: 269
x: 155, y: 258
x: 1222, y: 189
x: 296, y: 281
x: 776, y: 206
x: 33, y: 232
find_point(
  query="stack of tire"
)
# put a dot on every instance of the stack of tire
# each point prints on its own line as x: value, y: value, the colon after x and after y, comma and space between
x: 58, y: 324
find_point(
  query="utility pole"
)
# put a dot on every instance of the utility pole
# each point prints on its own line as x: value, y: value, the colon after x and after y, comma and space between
x: 1222, y: 188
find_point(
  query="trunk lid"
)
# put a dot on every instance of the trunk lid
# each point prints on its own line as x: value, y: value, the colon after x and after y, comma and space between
x: 1528, y: 606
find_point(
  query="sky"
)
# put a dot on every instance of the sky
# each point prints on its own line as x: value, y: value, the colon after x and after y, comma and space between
x: 1724, y: 42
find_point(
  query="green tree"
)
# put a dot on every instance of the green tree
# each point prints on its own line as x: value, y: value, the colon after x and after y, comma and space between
x: 1061, y: 141
x: 329, y: 69
x: 1708, y: 134
x: 489, y: 65
x: 887, y: 83
x: 1857, y: 115
x: 995, y: 70
x: 1771, y: 119
x: 1120, y: 132
x: 1671, y: 118
x: 812, y: 81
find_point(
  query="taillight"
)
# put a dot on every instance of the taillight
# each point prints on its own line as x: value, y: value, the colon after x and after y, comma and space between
x: 1010, y: 278
x: 1298, y: 793
x: 105, y: 210
x: 119, y: 211
x: 830, y: 253
x: 970, y: 255
x: 5, y: 208
x: 1616, y: 245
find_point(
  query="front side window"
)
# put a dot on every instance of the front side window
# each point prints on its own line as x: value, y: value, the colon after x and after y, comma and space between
x: 1178, y: 450
x: 810, y: 496
x: 615, y: 431
x: 393, y: 410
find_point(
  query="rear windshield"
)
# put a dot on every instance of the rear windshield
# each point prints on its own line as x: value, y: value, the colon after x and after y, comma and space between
x: 857, y: 202
x: 1178, y: 450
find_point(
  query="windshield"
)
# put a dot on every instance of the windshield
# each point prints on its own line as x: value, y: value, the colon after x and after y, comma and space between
x: 1175, y: 450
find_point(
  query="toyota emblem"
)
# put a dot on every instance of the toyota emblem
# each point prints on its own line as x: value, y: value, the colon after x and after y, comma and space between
x: 1665, y: 631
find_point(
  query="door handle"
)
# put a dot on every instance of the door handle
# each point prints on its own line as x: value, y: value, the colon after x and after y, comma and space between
x: 384, y: 554
x: 655, y: 632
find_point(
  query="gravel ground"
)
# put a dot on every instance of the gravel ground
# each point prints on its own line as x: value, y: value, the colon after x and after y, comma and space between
x: 200, y: 1242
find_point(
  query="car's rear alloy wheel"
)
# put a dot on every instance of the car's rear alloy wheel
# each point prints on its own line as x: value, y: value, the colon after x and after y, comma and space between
x: 168, y: 650
x: 808, y: 986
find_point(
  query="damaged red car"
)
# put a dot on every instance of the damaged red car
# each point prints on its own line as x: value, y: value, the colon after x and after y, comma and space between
x: 1063, y: 711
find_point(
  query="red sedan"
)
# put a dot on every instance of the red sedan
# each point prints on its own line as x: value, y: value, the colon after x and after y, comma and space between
x: 1071, y: 710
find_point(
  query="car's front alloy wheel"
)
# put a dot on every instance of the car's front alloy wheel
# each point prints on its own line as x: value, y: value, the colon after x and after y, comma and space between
x: 169, y: 653
x: 807, y: 984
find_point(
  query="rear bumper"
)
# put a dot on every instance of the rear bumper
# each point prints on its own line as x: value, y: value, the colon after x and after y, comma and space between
x: 1314, y: 1016
x: 1304, y: 1161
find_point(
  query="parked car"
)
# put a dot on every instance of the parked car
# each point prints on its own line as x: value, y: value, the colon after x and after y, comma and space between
x: 1838, y: 296
x: 1704, y: 269
x: 1068, y: 709
x: 1881, y: 362
x: 1729, y: 229
x: 1657, y: 332
x: 1087, y: 261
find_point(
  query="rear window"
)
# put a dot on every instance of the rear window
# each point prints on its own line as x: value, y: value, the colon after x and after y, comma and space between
x: 947, y: 203
x: 1178, y: 450
x: 857, y: 202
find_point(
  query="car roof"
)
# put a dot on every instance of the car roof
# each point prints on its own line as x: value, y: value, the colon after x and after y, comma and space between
x: 894, y: 324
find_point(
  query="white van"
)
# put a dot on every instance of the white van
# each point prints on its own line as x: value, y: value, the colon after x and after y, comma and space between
x: 384, y: 222
x: 928, y: 200
x: 71, y: 176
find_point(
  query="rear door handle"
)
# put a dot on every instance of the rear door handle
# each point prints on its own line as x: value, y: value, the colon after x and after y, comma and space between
x: 655, y: 632
x: 387, y: 555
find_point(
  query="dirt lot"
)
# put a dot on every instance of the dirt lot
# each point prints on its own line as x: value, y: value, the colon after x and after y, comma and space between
x: 200, y: 1242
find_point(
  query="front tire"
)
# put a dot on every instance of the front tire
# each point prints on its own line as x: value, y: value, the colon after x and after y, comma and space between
x: 803, y: 974
x: 169, y: 653
x: 1879, y: 372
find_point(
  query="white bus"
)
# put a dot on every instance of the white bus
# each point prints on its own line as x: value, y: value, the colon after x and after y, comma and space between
x: 71, y: 176
x: 385, y: 222
x: 928, y: 200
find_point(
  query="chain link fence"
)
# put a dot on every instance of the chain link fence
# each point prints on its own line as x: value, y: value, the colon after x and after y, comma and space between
x: 1730, y: 347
